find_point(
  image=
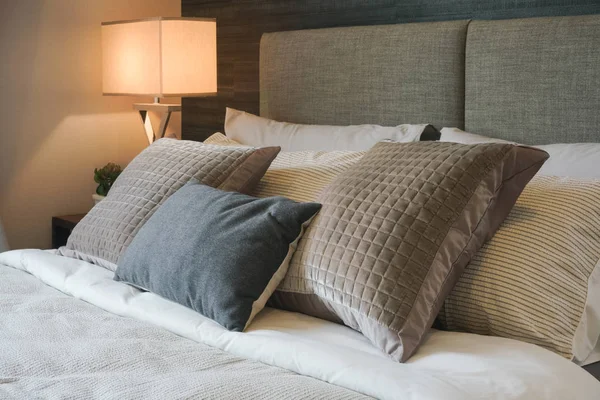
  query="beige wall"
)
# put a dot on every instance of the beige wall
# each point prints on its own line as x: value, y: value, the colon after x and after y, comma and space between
x: 55, y: 126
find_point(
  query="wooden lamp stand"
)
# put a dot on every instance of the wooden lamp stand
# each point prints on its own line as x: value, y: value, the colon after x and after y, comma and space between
x: 164, y: 109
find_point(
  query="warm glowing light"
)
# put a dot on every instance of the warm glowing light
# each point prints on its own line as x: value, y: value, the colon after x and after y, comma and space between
x: 160, y: 57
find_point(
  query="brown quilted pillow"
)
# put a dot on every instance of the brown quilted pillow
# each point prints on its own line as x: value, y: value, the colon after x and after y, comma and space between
x: 154, y: 175
x: 395, y: 232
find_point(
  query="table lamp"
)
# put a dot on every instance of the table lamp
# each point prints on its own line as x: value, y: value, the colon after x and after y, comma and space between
x: 159, y: 57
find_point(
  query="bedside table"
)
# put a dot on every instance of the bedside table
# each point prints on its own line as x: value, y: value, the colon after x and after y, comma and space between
x: 62, y: 227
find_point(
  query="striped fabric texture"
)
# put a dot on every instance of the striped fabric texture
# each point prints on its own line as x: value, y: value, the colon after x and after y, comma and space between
x: 220, y: 139
x: 530, y: 281
x: 298, y: 175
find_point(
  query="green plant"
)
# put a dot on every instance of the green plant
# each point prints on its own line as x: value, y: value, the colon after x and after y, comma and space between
x: 105, y: 177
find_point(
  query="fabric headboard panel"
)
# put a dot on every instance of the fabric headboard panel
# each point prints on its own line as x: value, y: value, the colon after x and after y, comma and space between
x: 534, y: 81
x: 385, y: 74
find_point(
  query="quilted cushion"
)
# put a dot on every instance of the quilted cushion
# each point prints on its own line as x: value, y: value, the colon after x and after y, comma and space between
x: 395, y: 232
x: 157, y: 172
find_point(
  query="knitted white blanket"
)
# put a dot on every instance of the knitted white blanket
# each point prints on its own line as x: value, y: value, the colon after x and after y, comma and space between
x: 54, y: 345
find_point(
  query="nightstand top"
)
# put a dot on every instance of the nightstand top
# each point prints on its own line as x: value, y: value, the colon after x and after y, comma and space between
x: 67, y: 221
x: 62, y: 226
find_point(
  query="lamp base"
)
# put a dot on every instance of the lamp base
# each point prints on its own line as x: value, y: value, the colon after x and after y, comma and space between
x: 164, y: 109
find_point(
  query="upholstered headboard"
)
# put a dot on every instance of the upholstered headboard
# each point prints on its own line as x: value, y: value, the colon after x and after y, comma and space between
x: 534, y: 81
x: 382, y: 74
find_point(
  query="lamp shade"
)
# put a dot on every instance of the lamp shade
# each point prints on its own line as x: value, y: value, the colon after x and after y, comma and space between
x: 160, y: 57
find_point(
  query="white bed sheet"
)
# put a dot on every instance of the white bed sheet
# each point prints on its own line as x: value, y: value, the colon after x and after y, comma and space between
x: 447, y: 366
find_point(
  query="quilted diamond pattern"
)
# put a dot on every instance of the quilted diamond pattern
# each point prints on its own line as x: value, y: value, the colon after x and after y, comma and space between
x: 371, y: 257
x: 155, y: 174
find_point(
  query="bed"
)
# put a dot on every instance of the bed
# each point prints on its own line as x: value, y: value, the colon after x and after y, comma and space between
x: 70, y: 331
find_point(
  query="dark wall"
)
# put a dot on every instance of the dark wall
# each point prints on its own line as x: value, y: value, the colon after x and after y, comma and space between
x: 240, y: 24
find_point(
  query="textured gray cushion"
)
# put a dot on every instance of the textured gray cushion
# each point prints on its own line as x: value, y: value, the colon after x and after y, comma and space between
x: 219, y: 253
x: 534, y: 81
x: 402, y: 74
x: 395, y: 232
x: 161, y: 169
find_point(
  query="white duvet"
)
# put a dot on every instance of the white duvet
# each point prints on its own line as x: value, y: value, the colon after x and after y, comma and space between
x: 447, y: 365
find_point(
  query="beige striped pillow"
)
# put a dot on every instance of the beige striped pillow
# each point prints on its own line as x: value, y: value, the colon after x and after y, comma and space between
x: 219, y: 139
x: 529, y: 282
x: 298, y: 175
x: 538, y: 278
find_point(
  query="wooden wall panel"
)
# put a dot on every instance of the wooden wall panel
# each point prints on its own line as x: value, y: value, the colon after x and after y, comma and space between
x: 240, y: 24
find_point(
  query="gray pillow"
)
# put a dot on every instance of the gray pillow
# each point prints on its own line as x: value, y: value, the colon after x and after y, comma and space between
x: 220, y: 253
x: 156, y: 173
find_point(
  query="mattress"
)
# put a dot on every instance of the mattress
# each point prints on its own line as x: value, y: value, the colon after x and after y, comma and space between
x: 69, y: 330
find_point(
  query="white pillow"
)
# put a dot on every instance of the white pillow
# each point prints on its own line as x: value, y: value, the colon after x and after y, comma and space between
x: 251, y: 130
x: 581, y: 160
x: 455, y: 135
x: 576, y: 160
